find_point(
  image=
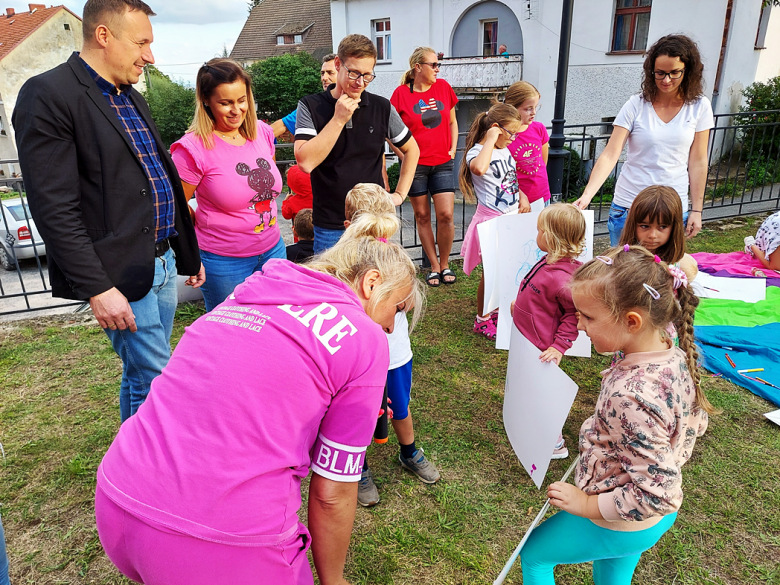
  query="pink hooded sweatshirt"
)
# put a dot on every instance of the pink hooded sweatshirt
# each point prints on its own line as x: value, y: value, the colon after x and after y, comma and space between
x: 544, y: 312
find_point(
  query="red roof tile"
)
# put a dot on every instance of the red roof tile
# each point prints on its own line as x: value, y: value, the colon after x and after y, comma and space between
x: 271, y: 18
x: 16, y: 27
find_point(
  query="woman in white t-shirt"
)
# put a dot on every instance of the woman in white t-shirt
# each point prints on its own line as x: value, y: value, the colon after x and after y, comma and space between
x: 666, y: 126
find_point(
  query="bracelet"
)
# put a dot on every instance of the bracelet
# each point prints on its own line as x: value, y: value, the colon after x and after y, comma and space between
x: 695, y: 211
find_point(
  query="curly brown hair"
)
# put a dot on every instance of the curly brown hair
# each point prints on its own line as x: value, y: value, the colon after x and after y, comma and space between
x: 681, y: 46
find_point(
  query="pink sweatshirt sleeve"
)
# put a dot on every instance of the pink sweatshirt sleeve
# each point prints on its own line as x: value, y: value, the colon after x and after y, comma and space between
x: 567, y: 330
x: 648, y: 458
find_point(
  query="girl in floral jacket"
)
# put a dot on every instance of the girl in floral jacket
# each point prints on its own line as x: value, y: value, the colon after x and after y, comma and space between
x: 650, y: 411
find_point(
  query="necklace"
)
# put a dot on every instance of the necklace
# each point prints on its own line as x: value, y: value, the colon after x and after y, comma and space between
x: 234, y: 137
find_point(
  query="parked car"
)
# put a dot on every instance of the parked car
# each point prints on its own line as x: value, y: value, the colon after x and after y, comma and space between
x: 19, y: 238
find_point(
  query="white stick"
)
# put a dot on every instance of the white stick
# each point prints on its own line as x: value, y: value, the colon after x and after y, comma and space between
x: 505, y: 571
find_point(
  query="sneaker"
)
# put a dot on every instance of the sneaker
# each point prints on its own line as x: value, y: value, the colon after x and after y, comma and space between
x: 560, y: 453
x: 486, y: 328
x: 421, y: 467
x: 749, y: 242
x: 368, y: 495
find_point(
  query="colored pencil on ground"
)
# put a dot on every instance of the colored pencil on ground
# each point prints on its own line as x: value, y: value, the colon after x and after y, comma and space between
x: 733, y: 365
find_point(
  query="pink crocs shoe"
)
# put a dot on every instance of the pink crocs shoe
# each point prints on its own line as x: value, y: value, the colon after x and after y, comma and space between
x: 486, y: 328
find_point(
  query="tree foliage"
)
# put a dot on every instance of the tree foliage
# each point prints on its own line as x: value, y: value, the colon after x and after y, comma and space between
x: 252, y: 3
x: 172, y: 105
x: 279, y: 82
x: 761, y: 98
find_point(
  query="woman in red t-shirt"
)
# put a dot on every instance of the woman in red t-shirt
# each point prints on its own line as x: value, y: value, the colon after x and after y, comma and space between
x: 427, y: 107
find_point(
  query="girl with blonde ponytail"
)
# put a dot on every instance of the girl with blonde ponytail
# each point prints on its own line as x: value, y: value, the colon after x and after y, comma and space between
x: 296, y: 369
x: 426, y: 104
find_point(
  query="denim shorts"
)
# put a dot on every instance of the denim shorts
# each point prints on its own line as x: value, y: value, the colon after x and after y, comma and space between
x: 433, y: 180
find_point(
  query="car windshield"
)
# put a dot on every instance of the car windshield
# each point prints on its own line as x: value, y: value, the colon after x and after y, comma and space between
x: 18, y: 212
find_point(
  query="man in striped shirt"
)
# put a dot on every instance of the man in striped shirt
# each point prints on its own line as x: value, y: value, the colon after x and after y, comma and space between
x: 105, y: 194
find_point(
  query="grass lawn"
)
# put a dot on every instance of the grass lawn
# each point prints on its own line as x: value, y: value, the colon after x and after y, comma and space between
x: 59, y: 413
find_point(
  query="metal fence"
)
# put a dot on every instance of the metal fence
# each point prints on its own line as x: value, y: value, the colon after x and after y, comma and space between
x: 743, y: 179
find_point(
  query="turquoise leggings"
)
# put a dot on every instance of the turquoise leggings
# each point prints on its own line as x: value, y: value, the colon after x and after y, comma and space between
x: 568, y: 539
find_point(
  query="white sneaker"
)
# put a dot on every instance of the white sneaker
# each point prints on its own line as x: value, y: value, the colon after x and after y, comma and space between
x: 560, y: 453
x: 749, y: 242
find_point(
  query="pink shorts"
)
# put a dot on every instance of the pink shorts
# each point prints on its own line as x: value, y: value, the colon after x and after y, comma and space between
x: 155, y: 555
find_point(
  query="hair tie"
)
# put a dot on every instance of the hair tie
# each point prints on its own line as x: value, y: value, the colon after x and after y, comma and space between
x: 626, y: 248
x: 680, y: 278
x: 383, y: 240
x: 605, y: 259
x: 657, y: 259
x: 653, y: 293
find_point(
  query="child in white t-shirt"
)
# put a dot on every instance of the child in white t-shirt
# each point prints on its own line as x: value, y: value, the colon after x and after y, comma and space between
x: 371, y: 198
x: 488, y: 171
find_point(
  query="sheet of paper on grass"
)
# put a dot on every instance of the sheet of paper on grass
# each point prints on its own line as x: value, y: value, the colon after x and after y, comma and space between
x: 749, y: 290
x: 537, y: 400
x: 517, y: 254
x: 774, y: 416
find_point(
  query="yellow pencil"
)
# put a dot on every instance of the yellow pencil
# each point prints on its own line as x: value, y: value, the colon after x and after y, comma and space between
x: 751, y: 370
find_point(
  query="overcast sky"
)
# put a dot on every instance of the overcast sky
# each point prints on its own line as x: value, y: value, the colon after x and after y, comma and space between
x: 189, y: 32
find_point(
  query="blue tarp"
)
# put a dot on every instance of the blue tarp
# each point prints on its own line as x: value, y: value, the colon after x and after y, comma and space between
x: 751, y: 347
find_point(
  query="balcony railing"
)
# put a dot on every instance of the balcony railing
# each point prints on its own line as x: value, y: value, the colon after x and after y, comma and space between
x: 482, y: 74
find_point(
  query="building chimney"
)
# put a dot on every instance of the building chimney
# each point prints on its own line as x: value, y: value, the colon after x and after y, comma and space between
x: 36, y: 7
x: 9, y: 12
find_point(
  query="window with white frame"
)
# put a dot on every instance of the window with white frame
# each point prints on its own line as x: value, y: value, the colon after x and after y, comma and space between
x: 381, y: 32
x: 489, y: 37
x: 289, y: 39
x: 632, y: 23
x: 763, y: 24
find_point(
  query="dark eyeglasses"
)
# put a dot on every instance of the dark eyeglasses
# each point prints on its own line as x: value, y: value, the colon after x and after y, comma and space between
x: 435, y: 65
x: 355, y: 75
x: 676, y: 74
x: 511, y: 135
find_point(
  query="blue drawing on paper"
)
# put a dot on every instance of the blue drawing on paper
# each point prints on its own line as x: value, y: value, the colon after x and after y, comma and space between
x: 531, y: 254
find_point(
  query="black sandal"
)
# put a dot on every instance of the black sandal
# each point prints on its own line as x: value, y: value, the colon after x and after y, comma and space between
x: 433, y: 276
x: 447, y: 272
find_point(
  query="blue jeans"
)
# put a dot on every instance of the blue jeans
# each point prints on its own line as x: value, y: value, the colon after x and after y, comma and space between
x: 224, y: 273
x: 3, y: 558
x: 617, y: 219
x: 325, y: 238
x: 146, y: 352
x: 568, y: 539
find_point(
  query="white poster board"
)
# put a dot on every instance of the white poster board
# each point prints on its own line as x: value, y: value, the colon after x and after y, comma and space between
x: 749, y: 290
x: 537, y: 399
x: 774, y: 416
x: 511, y: 251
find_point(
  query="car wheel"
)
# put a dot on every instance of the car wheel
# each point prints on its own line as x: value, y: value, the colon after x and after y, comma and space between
x: 6, y: 261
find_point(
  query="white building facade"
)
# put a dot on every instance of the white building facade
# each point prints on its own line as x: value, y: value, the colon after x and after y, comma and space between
x: 739, y: 41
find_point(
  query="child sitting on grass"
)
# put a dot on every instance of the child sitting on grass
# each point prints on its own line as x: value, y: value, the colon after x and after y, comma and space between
x: 766, y: 242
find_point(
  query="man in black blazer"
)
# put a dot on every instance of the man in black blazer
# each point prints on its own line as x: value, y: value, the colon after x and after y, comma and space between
x: 105, y: 194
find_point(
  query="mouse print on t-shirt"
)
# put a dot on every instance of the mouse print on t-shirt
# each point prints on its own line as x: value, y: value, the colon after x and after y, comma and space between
x: 431, y: 118
x: 261, y: 181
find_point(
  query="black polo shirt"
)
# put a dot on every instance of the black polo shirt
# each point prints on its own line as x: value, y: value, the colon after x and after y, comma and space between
x: 357, y: 155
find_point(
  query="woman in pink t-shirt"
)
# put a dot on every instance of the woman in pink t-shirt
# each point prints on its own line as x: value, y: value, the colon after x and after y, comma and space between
x: 427, y: 107
x: 531, y: 143
x: 203, y: 484
x: 227, y: 159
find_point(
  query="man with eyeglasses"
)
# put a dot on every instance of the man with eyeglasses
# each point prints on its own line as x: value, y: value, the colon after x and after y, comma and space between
x: 340, y: 136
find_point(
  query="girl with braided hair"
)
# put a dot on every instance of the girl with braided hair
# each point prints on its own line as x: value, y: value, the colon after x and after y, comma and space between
x: 648, y: 415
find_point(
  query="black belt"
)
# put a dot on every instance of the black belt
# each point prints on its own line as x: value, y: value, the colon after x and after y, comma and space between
x: 162, y: 247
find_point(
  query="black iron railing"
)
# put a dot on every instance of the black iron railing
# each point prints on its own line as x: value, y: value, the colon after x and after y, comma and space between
x: 743, y: 179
